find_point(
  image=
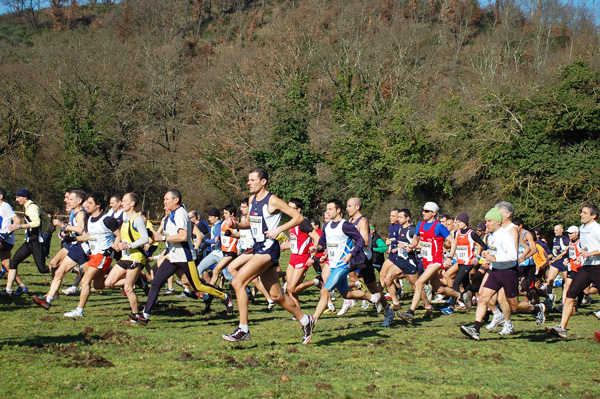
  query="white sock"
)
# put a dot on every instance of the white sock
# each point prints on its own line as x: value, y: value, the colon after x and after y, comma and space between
x: 507, y: 323
x: 49, y: 299
x: 244, y: 327
x: 270, y: 301
x: 497, y: 313
x: 304, y: 320
x: 9, y: 291
x: 79, y: 310
x: 146, y: 315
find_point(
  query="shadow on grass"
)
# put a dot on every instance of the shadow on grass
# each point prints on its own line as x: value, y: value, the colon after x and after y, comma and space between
x: 355, y: 336
x: 41, y: 341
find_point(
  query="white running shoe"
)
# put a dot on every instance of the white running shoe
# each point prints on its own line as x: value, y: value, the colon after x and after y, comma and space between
x: 427, y: 289
x: 507, y: 329
x: 496, y: 321
x: 597, y: 314
x: 438, y: 299
x: 348, y: 304
x: 365, y: 304
x: 74, y: 313
x: 70, y: 291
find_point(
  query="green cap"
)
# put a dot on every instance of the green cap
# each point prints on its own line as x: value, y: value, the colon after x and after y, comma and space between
x: 494, y: 214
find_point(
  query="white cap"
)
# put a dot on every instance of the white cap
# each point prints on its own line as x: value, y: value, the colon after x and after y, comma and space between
x: 573, y: 229
x: 431, y: 206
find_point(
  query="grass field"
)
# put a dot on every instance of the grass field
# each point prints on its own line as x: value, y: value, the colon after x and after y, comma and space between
x: 181, y: 353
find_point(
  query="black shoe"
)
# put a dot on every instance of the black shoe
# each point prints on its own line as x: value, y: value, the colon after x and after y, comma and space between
x: 237, y: 335
x: 228, y: 302
x: 42, y: 302
x: 190, y: 294
x: 207, y: 303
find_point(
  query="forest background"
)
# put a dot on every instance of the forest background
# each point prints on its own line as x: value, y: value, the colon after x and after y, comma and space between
x: 398, y: 102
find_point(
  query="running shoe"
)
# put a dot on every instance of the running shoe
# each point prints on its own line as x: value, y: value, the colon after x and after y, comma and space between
x: 597, y: 336
x: 190, y: 294
x: 597, y: 314
x: 168, y: 291
x: 438, y: 299
x: 330, y: 310
x: 181, y: 296
x: 388, y: 317
x: 41, y: 301
x: 142, y: 320
x: 348, y: 304
x: 237, y: 335
x: 228, y: 303
x: 428, y: 312
x: 407, y: 317
x: 396, y: 306
x: 307, y: 330
x: 4, y: 294
x: 447, y: 311
x: 378, y: 307
x: 540, y: 317
x: 496, y: 321
x: 207, y: 303
x: 332, y: 296
x: 468, y: 300
x: 427, y: 289
x: 70, y: 291
x: 460, y: 308
x: 388, y: 296
x: 21, y: 291
x: 270, y: 306
x: 558, y: 331
x: 179, y: 283
x: 586, y: 300
x: 365, y: 304
x: 74, y: 313
x: 507, y: 329
x: 319, y: 282
x: 2, y: 272
x: 470, y: 332
x: 549, y: 302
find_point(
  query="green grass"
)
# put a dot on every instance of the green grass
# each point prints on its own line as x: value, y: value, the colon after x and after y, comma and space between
x: 181, y: 353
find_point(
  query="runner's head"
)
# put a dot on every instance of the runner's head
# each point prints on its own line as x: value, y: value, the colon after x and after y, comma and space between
x: 244, y: 207
x: 353, y: 206
x: 493, y: 220
x: 172, y: 199
x: 257, y: 180
x: 326, y: 218
x: 194, y: 216
x: 144, y: 216
x: 334, y: 209
x: 229, y: 211
x: 506, y: 209
x: 573, y: 232
x: 129, y: 202
x: 481, y: 229
x: 297, y: 204
x: 430, y: 211
x: 115, y: 202
x: 76, y: 198
x: 559, y: 230
x: 589, y: 213
x: 462, y: 221
x: 94, y: 203
x: 518, y: 222
x: 404, y: 216
x: 315, y: 223
x: 394, y: 215
x: 214, y: 215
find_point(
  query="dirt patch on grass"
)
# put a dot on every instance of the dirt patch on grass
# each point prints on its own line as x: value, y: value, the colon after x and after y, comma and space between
x: 112, y: 337
x: 323, y: 387
x: 49, y: 318
x: 89, y: 360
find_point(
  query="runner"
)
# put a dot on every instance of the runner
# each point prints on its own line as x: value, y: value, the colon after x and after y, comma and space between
x: 100, y: 234
x: 265, y: 215
x: 32, y: 244
x: 431, y: 234
x: 392, y: 242
x: 589, y: 234
x: 76, y: 252
x: 116, y: 208
x: 229, y: 240
x: 343, y: 242
x: 177, y: 235
x: 300, y: 259
x: 216, y: 254
x: 560, y: 251
x: 7, y: 238
x: 503, y: 273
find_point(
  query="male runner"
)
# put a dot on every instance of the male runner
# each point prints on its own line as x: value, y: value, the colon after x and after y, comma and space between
x: 265, y: 215
x: 7, y: 238
x: 560, y: 249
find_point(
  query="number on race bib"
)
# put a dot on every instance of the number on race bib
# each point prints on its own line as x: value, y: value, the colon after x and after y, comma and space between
x: 426, y: 251
x: 462, y: 253
x: 256, y: 226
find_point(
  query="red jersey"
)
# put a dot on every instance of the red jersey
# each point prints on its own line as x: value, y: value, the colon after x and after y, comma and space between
x: 465, y: 248
x: 432, y: 246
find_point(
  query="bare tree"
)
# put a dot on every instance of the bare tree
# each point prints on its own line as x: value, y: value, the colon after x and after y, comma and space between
x: 30, y: 9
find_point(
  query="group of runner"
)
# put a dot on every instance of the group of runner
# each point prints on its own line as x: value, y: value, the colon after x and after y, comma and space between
x: 492, y: 266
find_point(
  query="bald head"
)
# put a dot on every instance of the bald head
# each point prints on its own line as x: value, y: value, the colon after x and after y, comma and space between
x: 353, y: 206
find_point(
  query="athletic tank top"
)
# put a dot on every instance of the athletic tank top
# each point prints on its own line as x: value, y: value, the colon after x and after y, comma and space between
x: 101, y: 237
x: 299, y: 241
x: 261, y: 220
x: 129, y: 234
x: 228, y: 243
x: 432, y: 246
x: 338, y: 244
x: 246, y: 241
x: 405, y: 236
x: 367, y: 248
x: 528, y: 261
x: 465, y: 248
x: 574, y: 254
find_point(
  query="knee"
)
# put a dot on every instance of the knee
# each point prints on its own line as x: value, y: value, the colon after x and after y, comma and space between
x: 292, y: 289
x: 276, y: 296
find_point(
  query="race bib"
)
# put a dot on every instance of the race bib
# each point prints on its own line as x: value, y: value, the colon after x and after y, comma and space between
x: 426, y: 251
x: 256, y: 226
x: 126, y: 252
x: 462, y: 253
x: 492, y: 250
x: 93, y: 245
x: 294, y: 244
x: 556, y: 250
x: 572, y: 253
x: 332, y: 250
x: 402, y: 252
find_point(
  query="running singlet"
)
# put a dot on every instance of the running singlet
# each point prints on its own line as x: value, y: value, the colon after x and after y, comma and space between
x: 432, y: 245
x: 574, y: 254
x: 101, y: 230
x: 559, y: 244
x: 246, y: 241
x: 367, y: 248
x: 6, y: 215
x: 228, y: 243
x: 393, y: 230
x: 180, y: 251
x: 465, y: 247
x: 338, y: 244
x: 130, y: 235
x: 299, y: 239
x: 528, y: 261
x: 405, y: 236
x: 261, y: 221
